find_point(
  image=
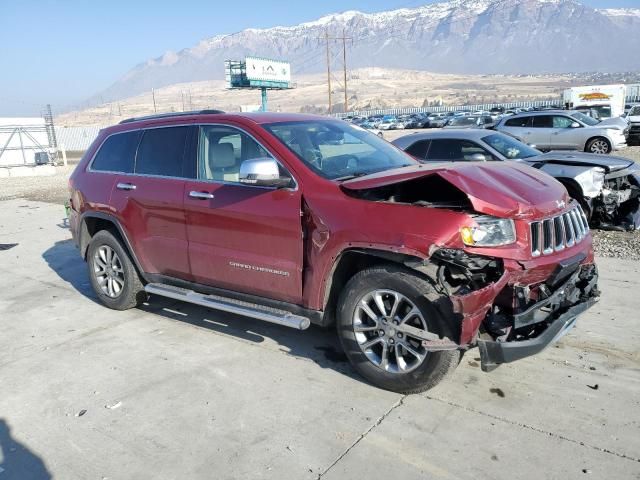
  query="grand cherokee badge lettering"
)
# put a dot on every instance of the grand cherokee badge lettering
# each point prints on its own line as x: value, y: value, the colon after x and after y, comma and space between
x: 256, y: 268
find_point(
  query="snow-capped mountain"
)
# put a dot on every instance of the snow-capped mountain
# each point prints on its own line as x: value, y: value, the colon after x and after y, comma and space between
x: 456, y: 36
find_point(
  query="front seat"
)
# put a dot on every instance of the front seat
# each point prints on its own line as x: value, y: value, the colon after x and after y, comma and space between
x: 222, y: 162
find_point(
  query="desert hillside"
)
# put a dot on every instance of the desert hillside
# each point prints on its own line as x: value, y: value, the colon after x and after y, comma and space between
x: 367, y: 88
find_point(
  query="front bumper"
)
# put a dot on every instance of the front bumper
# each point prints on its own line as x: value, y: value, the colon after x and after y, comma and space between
x: 543, y: 323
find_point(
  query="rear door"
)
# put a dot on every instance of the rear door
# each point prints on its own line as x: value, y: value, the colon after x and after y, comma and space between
x: 241, y: 237
x: 519, y: 127
x: 150, y: 201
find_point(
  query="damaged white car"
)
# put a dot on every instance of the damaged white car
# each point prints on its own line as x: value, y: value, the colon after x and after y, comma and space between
x: 607, y: 187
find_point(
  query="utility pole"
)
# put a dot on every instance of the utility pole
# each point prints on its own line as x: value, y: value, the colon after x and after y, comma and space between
x: 326, y: 37
x: 344, y: 66
x: 344, y: 39
x: 153, y: 95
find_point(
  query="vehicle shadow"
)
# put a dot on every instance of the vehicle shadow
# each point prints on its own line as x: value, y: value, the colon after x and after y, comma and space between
x: 18, y: 462
x: 316, y: 344
x: 64, y: 259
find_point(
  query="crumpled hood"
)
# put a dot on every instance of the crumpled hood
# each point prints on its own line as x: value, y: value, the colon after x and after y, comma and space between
x: 609, y: 162
x: 503, y: 189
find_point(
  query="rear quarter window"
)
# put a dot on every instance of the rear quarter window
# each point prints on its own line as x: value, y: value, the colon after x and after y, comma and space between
x: 117, y: 153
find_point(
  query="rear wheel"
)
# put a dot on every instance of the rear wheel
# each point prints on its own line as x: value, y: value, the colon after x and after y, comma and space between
x: 380, y: 312
x: 113, y: 275
x: 598, y: 145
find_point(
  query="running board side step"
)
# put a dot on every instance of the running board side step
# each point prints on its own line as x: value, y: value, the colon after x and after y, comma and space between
x: 253, y: 310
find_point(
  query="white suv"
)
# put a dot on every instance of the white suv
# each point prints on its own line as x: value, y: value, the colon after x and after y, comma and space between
x: 565, y: 130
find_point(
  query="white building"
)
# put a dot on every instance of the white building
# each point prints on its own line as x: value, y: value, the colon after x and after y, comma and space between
x: 23, y: 141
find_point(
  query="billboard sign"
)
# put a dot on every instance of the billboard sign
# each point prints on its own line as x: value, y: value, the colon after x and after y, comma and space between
x: 265, y: 70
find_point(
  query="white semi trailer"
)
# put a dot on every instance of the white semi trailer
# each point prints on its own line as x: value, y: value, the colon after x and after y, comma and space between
x: 607, y: 100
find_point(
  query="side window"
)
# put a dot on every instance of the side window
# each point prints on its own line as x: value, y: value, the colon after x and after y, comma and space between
x: 518, y: 122
x: 543, y: 121
x: 117, y: 153
x: 222, y: 149
x: 162, y: 152
x: 419, y: 149
x: 562, y: 122
x: 455, y: 150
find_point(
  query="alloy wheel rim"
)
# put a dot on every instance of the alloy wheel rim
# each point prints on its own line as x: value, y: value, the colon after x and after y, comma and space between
x: 375, y: 320
x: 108, y: 271
x: 599, y: 146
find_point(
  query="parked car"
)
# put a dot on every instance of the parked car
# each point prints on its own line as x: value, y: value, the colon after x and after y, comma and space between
x: 389, y: 122
x: 565, y: 130
x: 479, y: 121
x: 270, y: 216
x: 633, y: 117
x: 607, y: 187
x: 417, y: 120
x: 437, y: 120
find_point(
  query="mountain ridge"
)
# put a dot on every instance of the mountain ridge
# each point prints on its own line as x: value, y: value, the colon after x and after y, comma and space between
x: 456, y: 36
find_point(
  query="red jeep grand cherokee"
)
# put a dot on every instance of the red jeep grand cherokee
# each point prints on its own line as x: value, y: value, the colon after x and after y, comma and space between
x: 298, y: 219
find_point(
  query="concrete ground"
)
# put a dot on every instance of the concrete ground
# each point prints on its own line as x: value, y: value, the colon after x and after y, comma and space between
x: 171, y: 391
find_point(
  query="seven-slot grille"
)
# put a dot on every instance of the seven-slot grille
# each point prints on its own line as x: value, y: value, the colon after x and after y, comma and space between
x: 559, y: 232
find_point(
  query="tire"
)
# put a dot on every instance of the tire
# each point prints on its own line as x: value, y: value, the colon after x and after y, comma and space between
x: 598, y: 145
x: 113, y: 276
x: 416, y: 376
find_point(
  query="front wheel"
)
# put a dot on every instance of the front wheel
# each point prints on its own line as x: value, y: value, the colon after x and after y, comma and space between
x: 373, y: 309
x: 598, y: 145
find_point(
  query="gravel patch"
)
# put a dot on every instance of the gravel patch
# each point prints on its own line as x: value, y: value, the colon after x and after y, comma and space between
x: 625, y: 245
x: 51, y: 189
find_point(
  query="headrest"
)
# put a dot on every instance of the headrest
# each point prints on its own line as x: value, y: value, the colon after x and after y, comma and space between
x: 221, y: 155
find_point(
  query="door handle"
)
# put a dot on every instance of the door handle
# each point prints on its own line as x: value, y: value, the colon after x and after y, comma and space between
x: 201, y: 195
x: 126, y: 186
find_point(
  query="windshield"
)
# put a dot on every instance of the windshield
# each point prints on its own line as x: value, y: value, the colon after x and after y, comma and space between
x: 338, y: 150
x: 586, y: 119
x: 463, y: 121
x: 634, y: 111
x: 509, y: 147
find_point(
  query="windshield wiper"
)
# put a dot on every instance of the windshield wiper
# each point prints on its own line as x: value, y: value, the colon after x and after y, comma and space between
x: 362, y: 174
x: 353, y: 175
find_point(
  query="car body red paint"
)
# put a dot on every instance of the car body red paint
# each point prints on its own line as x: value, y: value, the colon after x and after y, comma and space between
x: 303, y: 231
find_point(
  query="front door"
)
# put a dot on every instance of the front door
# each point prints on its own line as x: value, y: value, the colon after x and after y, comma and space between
x: 540, y: 135
x: 241, y: 237
x: 564, y: 136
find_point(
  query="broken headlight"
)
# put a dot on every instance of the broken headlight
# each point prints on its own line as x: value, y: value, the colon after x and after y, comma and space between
x: 489, y: 232
x: 598, y: 177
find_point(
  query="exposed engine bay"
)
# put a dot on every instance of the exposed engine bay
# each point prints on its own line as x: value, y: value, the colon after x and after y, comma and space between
x: 618, y: 205
x: 431, y: 191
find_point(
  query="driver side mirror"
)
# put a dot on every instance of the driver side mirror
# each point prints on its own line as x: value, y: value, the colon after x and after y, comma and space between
x: 575, y: 125
x: 263, y: 172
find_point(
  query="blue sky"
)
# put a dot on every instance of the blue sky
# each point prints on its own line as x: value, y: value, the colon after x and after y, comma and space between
x: 61, y: 52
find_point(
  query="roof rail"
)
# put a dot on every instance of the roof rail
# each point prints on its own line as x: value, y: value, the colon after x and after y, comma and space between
x: 172, y: 114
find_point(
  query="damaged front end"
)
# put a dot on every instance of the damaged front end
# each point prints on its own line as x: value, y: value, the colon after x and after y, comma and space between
x: 528, y: 318
x: 508, y: 252
x: 504, y: 315
x: 617, y: 207
x: 608, y: 187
